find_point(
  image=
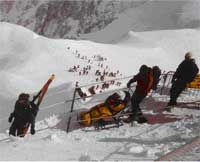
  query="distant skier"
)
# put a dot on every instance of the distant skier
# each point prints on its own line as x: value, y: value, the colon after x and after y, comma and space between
x: 24, y: 114
x: 144, y: 81
x: 92, y: 90
x: 185, y: 73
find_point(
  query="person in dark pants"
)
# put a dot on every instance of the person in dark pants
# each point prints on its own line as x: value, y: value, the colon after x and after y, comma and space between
x: 185, y: 73
x: 156, y: 77
x: 144, y: 81
x: 24, y: 115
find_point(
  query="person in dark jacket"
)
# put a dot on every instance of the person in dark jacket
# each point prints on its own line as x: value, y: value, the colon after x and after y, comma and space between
x: 24, y: 115
x: 185, y: 73
x: 144, y: 81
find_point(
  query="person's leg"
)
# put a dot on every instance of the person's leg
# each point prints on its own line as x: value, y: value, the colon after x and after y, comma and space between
x: 175, y: 91
x: 135, y: 101
x: 22, y: 128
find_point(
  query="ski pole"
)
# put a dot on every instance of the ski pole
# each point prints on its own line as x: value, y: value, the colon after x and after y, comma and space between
x: 72, y: 106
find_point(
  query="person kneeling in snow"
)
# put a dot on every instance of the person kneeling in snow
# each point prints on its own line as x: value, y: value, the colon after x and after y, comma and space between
x: 145, y: 82
x: 24, y: 115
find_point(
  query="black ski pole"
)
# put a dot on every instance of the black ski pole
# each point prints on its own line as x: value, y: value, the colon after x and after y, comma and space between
x: 72, y: 106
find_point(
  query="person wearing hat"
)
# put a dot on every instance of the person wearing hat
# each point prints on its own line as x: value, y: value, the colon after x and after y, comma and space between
x: 144, y: 81
x: 185, y: 73
x: 23, y: 115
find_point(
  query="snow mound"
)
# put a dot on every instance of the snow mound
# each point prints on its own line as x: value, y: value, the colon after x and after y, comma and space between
x: 55, y: 138
x: 137, y: 149
x: 85, y: 157
x: 27, y: 60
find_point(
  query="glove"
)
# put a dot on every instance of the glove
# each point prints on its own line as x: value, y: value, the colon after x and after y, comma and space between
x: 32, y: 131
x: 10, y: 118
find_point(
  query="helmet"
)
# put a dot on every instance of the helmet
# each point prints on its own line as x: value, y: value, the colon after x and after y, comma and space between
x: 156, y: 68
x: 24, y: 96
x: 188, y: 55
x: 143, y: 68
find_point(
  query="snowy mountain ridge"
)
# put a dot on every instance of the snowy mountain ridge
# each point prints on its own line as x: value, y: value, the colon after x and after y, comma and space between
x: 70, y: 19
x: 62, y: 19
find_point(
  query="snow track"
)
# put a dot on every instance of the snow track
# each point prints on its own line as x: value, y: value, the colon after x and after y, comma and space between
x: 139, y: 142
x: 119, y: 155
x: 189, y: 151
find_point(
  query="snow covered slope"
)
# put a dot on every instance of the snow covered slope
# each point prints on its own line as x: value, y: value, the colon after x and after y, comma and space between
x: 139, y: 142
x: 152, y: 15
x: 27, y: 60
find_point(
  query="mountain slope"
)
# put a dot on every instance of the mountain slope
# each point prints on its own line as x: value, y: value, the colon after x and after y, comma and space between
x: 28, y: 59
x: 69, y: 19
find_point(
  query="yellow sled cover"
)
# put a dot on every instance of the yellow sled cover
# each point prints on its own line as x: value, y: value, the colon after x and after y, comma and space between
x: 113, y: 105
x: 195, y: 83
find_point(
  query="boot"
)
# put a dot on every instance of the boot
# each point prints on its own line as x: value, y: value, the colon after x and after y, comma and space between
x: 172, y: 103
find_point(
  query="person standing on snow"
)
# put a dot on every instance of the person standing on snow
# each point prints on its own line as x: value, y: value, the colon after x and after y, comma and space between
x: 24, y: 114
x: 144, y: 81
x: 185, y: 73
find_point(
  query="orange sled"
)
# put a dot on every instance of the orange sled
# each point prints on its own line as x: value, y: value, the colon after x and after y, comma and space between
x: 114, y: 104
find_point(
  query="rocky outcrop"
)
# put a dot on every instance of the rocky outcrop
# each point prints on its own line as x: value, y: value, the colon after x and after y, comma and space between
x: 72, y: 18
x: 63, y: 19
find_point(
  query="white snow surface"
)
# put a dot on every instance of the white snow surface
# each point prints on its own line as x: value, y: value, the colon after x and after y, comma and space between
x: 27, y: 60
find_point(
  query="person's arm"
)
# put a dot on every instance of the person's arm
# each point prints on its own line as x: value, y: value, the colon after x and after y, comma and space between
x: 176, y: 74
x: 33, y: 113
x: 195, y: 71
x: 12, y: 115
x: 32, y: 124
x: 34, y: 108
x: 134, y: 79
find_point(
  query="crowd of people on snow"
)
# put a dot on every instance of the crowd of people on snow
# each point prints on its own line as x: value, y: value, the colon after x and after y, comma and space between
x: 102, y: 73
x: 147, y: 78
